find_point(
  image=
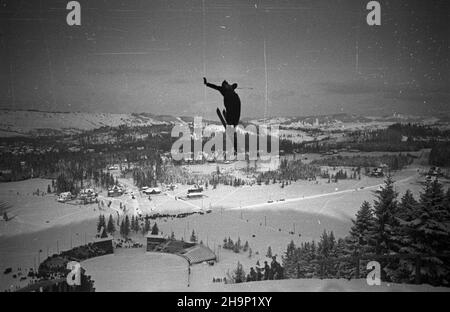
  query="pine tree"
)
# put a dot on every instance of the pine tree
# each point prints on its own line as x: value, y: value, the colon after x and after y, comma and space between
x: 122, y: 228
x: 312, y: 250
x: 245, y: 246
x: 407, y: 206
x: 289, y: 260
x: 147, y: 226
x: 155, y: 230
x: 360, y: 231
x: 331, y: 241
x: 110, y: 228
x: 324, y: 246
x: 126, y: 229
x: 235, y: 247
x: 193, y: 237
x: 343, y: 269
x: 385, y: 236
x: 230, y: 244
x: 133, y: 224
x: 104, y: 233
x: 101, y: 223
x: 269, y: 252
x: 136, y: 225
x: 447, y: 198
x: 239, y: 274
x: 385, y: 213
x: 428, y: 232
x: 400, y: 270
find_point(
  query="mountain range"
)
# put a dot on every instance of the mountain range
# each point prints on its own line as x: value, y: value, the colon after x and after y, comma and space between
x: 38, y: 123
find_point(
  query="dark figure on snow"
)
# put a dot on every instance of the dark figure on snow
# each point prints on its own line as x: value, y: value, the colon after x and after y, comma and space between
x: 259, y: 274
x: 253, y: 275
x: 276, y: 269
x: 231, y: 101
x: 267, y: 271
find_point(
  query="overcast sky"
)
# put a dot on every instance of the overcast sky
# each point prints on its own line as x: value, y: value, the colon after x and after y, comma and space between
x: 150, y: 56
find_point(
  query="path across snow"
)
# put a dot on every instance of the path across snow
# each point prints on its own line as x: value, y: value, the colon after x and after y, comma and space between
x: 296, y: 199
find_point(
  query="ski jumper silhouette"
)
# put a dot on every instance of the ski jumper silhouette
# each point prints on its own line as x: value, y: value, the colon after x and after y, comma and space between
x: 231, y: 101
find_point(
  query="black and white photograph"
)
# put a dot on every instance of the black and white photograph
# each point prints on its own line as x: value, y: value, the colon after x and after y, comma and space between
x: 224, y: 146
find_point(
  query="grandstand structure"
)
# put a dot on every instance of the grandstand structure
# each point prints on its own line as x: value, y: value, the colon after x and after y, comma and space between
x: 199, y: 254
x: 4, y: 207
x: 192, y: 252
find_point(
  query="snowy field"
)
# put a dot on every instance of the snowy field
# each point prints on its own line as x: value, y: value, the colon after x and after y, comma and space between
x: 326, y: 285
x: 24, y: 122
x: 32, y: 213
x: 42, y: 226
x: 136, y: 270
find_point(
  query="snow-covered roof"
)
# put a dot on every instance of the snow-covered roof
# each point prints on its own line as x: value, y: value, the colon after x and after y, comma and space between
x: 152, y: 190
x: 155, y: 236
x: 88, y: 190
x: 104, y: 239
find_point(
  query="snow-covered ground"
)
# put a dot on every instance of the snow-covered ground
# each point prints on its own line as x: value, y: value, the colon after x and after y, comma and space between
x: 137, y: 270
x: 32, y: 213
x: 327, y: 285
x: 23, y: 122
x: 19, y: 122
x: 41, y: 223
x: 343, y: 121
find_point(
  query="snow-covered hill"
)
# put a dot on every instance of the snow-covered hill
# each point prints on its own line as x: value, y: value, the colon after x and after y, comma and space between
x: 31, y: 122
x: 24, y: 122
x: 344, y: 121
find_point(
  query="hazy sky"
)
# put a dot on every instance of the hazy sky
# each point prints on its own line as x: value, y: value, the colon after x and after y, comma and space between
x: 150, y: 56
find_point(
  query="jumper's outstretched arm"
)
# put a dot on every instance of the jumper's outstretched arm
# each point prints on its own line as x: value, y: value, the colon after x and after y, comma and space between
x: 212, y: 86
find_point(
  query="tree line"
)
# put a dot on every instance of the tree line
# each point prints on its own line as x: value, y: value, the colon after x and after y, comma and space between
x: 394, y: 162
x: 126, y: 226
x: 388, y: 226
x: 440, y: 155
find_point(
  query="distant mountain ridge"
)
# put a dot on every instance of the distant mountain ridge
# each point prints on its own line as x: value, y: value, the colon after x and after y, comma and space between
x: 34, y: 122
x: 50, y: 123
x: 341, y: 119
